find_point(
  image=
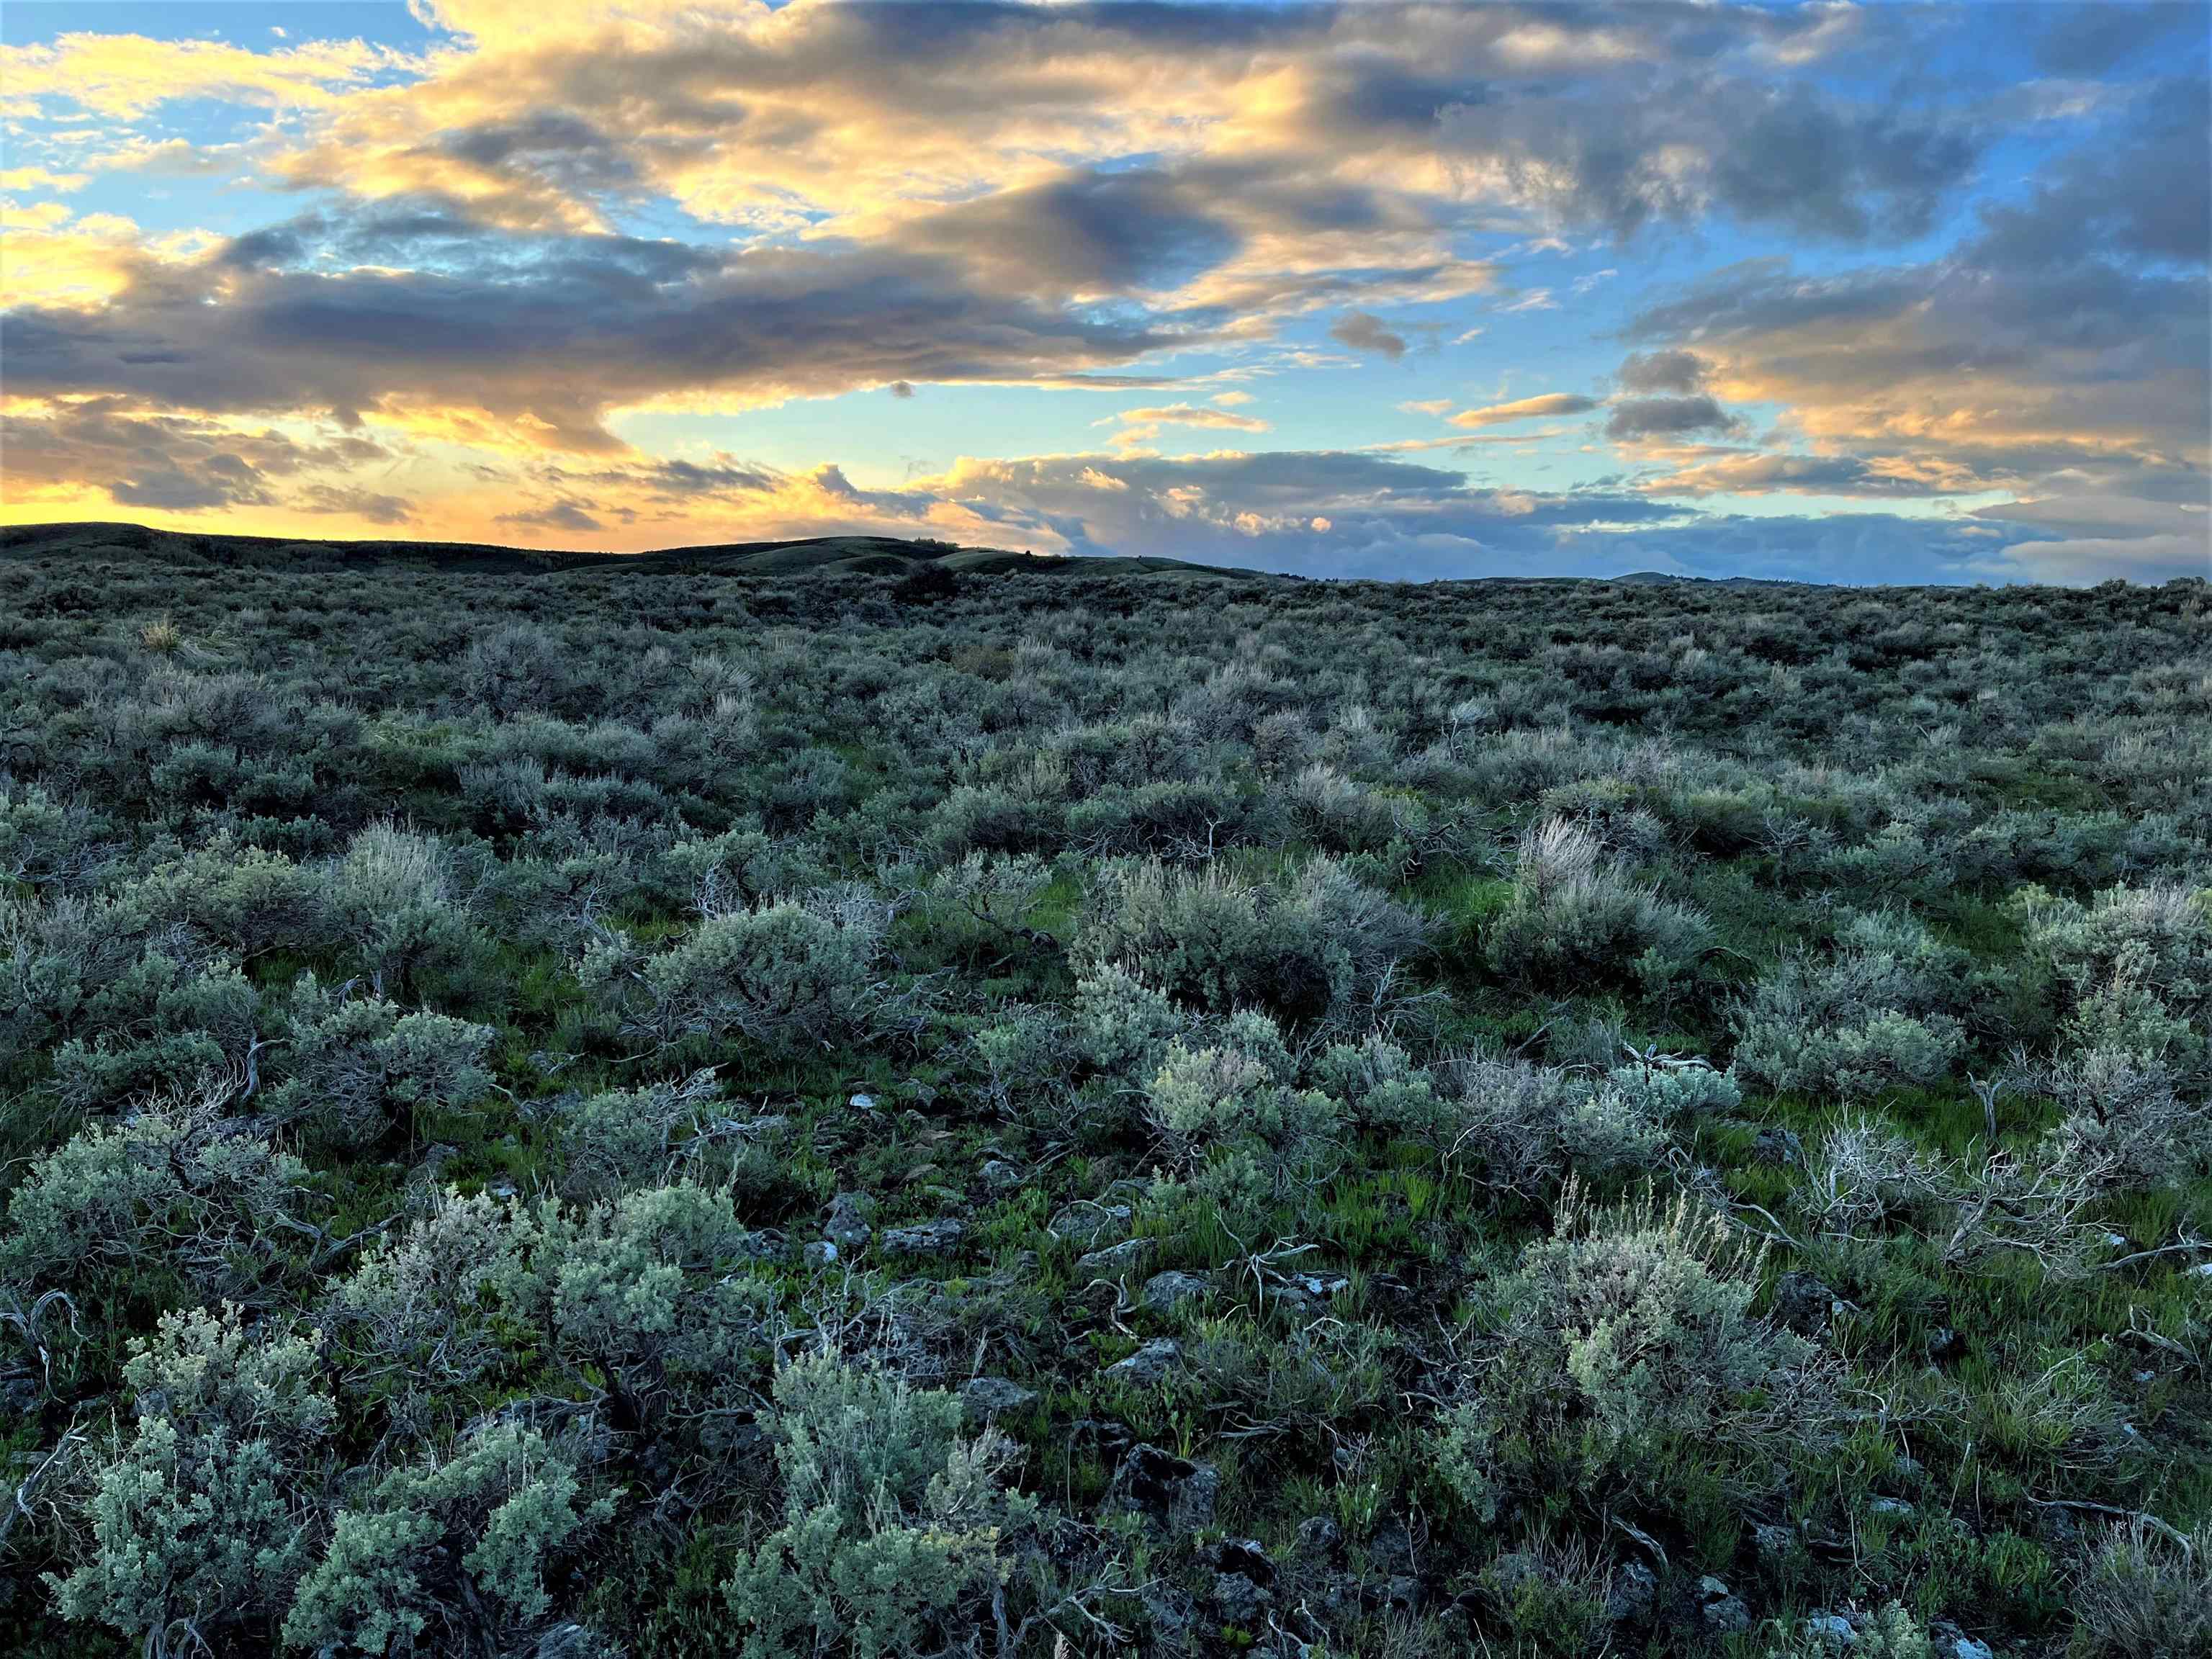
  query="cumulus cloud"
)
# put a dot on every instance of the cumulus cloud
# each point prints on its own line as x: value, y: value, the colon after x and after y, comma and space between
x: 871, y: 197
x: 1636, y: 418
x: 1364, y: 332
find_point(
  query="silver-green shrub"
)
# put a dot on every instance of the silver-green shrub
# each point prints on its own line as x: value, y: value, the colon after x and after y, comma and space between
x: 898, y: 1527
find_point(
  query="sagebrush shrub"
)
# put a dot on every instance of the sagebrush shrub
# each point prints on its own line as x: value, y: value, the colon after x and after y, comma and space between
x: 1576, y: 918
x: 203, y: 1513
x: 897, y: 1526
x: 1622, y: 1343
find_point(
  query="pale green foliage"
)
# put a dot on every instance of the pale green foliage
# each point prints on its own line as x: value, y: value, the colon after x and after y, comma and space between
x: 1577, y: 917
x: 203, y: 1514
x: 493, y: 1517
x: 1232, y: 1113
x: 395, y: 900
x: 1385, y: 1089
x: 1874, y: 1016
x: 1667, y: 1091
x: 161, y: 1028
x: 1624, y: 1335
x: 2135, y: 966
x: 786, y: 975
x: 1320, y: 948
x: 416, y: 1309
x: 896, y: 1527
x: 647, y: 1288
x: 626, y: 1137
x: 1528, y: 1128
x: 1123, y: 1025
x: 352, y: 1063
x: 174, y: 1187
x: 1887, y: 1632
x: 2125, y: 1120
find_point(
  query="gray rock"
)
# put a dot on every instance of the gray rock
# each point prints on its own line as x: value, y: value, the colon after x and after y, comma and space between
x: 1163, y: 1291
x: 1779, y: 1146
x: 1238, y: 1599
x: 1149, y: 1366
x: 1895, y: 1508
x: 924, y: 1237
x: 1000, y: 1175
x: 1319, y: 1534
x: 862, y: 1102
x: 846, y: 1225
x: 1802, y: 1303
x: 1116, y: 1259
x: 1720, y: 1610
x: 1835, y: 1631
x: 1163, y: 1487
x: 987, y: 1397
x: 821, y: 1254
x: 1634, y: 1591
x: 1090, y: 1224
x: 1774, y: 1544
x: 1966, y: 1647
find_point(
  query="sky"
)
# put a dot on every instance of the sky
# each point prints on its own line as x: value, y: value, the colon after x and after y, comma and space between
x: 1874, y: 293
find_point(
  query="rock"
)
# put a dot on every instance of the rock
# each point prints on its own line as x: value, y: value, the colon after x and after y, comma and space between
x: 1246, y: 1555
x: 1720, y: 1610
x: 1391, y: 1549
x: 1237, y: 1599
x: 1319, y: 1534
x: 1779, y: 1146
x: 1895, y: 1508
x: 1000, y: 1175
x: 1802, y: 1303
x: 435, y: 1159
x: 846, y: 1225
x: 926, y: 1238
x: 821, y: 1254
x: 1087, y: 1224
x: 1403, y: 1593
x: 987, y: 1397
x: 862, y: 1102
x: 1163, y: 1487
x: 1116, y: 1259
x: 1631, y: 1596
x: 1773, y: 1544
x: 1169, y: 1612
x: 1513, y: 1572
x: 1149, y: 1366
x: 1163, y: 1291
x: 1832, y: 1630
x: 1947, y: 1641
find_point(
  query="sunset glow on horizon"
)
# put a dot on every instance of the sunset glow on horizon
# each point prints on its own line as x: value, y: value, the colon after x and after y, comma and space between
x: 1838, y: 293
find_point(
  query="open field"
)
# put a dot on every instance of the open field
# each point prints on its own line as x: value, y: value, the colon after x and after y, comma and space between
x: 865, y: 1098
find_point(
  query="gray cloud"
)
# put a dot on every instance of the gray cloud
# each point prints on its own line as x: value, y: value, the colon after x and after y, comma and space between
x: 1364, y: 332
x: 557, y: 329
x: 1678, y: 371
x: 1667, y: 417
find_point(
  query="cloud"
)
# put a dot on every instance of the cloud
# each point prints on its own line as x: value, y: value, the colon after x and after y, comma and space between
x: 1680, y: 372
x: 1524, y: 409
x: 543, y: 334
x: 1364, y: 332
x: 1194, y: 414
x: 1635, y: 418
x: 172, y: 463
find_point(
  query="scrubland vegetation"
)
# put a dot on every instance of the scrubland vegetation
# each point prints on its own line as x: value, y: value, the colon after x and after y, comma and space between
x: 581, y: 1111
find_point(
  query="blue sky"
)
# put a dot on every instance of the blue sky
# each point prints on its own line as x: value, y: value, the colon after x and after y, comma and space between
x: 1855, y: 293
